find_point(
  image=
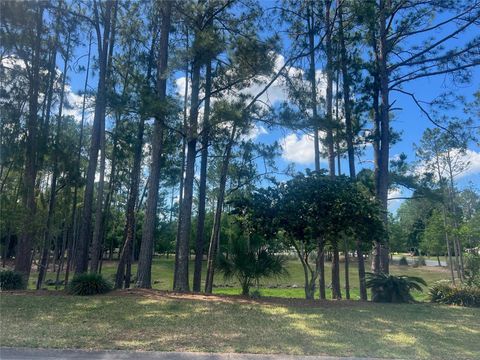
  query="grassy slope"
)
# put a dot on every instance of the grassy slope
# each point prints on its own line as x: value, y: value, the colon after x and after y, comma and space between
x: 162, y: 275
x: 420, y: 331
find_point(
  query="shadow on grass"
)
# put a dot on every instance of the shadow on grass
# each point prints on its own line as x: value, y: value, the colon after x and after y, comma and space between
x: 114, y: 322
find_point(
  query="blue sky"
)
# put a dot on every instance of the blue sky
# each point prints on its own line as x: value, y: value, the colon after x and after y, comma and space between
x: 408, y: 119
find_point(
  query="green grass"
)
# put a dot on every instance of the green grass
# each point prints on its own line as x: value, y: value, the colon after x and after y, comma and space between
x: 415, y: 331
x: 291, y: 286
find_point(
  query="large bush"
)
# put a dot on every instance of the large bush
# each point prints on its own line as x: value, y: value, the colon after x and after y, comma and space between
x: 393, y: 289
x: 443, y: 292
x: 472, y: 269
x: 11, y: 280
x: 89, y: 284
x: 403, y: 261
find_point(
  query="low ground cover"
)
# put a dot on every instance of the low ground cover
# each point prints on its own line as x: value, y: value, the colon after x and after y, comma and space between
x: 150, y: 320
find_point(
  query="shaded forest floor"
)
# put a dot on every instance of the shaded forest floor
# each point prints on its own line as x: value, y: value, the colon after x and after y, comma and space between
x: 165, y: 321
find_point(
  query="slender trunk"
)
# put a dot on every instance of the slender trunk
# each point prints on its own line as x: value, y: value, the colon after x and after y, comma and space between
x: 73, y: 222
x: 346, y: 96
x: 123, y: 274
x: 215, y: 237
x: 361, y: 273
x: 313, y: 86
x: 347, y: 271
x: 83, y: 243
x: 97, y: 230
x: 144, y: 272
x: 23, y: 258
x: 202, y: 193
x: 321, y: 268
x: 336, y: 291
x: 383, y: 174
x: 182, y: 165
x: 53, y: 186
x: 126, y: 252
x: 100, y: 212
x: 329, y: 90
x: 445, y: 222
x: 181, y: 281
x: 456, y: 238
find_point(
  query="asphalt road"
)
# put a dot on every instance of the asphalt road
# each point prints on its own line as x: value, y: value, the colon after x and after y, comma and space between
x: 54, y: 354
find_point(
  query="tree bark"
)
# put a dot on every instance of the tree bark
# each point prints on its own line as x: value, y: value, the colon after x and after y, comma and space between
x: 144, y: 272
x: 313, y: 86
x: 53, y: 186
x: 321, y: 268
x: 215, y: 237
x: 81, y: 251
x: 329, y: 90
x: 202, y: 193
x: 181, y: 282
x: 336, y: 291
x: 126, y: 252
x: 361, y: 273
x: 23, y: 258
x: 346, y: 94
x: 383, y: 161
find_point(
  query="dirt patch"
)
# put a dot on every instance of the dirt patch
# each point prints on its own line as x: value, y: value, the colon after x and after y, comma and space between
x: 230, y: 299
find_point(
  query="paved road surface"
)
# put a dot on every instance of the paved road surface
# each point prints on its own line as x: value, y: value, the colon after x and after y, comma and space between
x: 51, y: 354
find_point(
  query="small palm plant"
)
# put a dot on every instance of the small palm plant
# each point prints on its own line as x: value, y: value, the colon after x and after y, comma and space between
x: 248, y: 265
x: 393, y: 289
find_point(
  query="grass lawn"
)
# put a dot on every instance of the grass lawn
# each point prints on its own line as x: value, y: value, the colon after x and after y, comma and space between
x: 150, y: 321
x: 291, y: 286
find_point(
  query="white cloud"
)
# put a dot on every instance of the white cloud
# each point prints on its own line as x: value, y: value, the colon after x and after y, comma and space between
x: 254, y: 132
x: 298, y: 149
x: 473, y: 158
x: 463, y: 164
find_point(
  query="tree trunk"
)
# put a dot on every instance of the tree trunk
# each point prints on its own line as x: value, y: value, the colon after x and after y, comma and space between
x: 53, y: 186
x: 321, y: 268
x: 144, y: 272
x: 100, y: 212
x: 23, y: 258
x: 361, y: 273
x: 215, y: 237
x: 329, y: 90
x: 346, y: 95
x: 81, y: 251
x: 181, y: 281
x: 336, y: 291
x: 97, y: 230
x: 313, y: 86
x: 123, y: 275
x: 383, y: 160
x: 347, y: 272
x: 126, y: 252
x: 202, y: 192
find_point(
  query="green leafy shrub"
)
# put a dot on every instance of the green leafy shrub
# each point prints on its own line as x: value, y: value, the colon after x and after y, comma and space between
x: 11, y: 280
x: 393, y: 289
x: 89, y: 284
x: 443, y: 292
x: 255, y: 294
x: 420, y: 261
x: 403, y: 261
x: 472, y: 269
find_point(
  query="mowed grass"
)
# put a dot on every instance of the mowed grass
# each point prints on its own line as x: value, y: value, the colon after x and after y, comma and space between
x: 121, y: 321
x: 290, y: 286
